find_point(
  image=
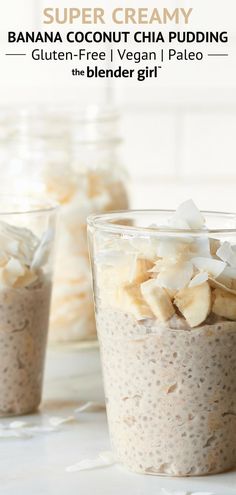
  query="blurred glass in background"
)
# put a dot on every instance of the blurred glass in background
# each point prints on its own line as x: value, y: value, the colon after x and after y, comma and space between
x: 72, y: 157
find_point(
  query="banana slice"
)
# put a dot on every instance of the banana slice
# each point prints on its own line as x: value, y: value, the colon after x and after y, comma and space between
x: 194, y: 303
x: 130, y: 299
x: 133, y: 270
x: 158, y: 300
x: 141, y: 271
x: 29, y: 277
x: 12, y: 271
x: 224, y: 304
x: 219, y: 285
x: 171, y: 293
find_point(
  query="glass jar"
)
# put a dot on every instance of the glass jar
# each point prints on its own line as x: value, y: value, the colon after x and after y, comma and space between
x: 73, y: 159
x: 165, y: 297
x: 27, y: 231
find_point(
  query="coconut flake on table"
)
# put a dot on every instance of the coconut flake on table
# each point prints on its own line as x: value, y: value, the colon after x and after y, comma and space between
x: 104, y: 459
x: 58, y: 421
x: 168, y: 492
x: 24, y: 430
x: 90, y: 406
x: 210, y: 265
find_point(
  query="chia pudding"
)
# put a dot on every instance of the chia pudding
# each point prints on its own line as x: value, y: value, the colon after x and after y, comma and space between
x: 166, y: 321
x: 25, y: 291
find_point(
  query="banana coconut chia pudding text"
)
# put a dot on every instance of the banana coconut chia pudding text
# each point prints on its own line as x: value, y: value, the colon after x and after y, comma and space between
x: 166, y: 319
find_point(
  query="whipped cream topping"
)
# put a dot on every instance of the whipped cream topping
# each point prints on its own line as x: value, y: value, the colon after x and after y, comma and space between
x: 22, y: 255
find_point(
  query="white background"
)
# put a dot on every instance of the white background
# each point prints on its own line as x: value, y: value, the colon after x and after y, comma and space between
x: 179, y: 131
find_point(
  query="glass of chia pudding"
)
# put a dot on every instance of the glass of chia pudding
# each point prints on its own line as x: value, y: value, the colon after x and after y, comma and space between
x: 27, y: 229
x: 165, y: 300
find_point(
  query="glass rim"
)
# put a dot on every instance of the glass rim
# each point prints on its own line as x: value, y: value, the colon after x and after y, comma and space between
x: 38, y: 204
x: 104, y: 223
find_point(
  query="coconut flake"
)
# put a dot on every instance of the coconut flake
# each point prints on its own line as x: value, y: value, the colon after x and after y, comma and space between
x: 42, y: 252
x: 17, y: 241
x: 104, y: 459
x: 199, y: 279
x: 200, y: 247
x: 229, y: 272
x: 168, y: 246
x: 58, y: 421
x: 177, y: 223
x: 174, y: 276
x: 14, y: 434
x: 145, y: 246
x: 186, y: 246
x: 188, y: 213
x: 168, y: 492
x: 213, y: 267
x: 90, y: 406
x: 22, y: 429
x: 227, y: 253
x: 17, y: 424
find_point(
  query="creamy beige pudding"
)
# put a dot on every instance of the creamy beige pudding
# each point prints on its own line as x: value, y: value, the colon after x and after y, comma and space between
x: 171, y: 394
x: 166, y: 320
x: 25, y: 291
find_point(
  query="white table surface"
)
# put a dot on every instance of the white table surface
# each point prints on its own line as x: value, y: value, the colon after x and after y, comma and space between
x: 37, y: 465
